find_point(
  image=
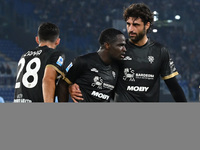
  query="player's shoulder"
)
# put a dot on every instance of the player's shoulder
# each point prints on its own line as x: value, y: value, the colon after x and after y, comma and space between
x: 157, y: 45
x: 88, y: 56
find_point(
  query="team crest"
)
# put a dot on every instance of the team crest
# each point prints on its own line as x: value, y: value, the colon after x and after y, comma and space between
x: 128, y: 74
x: 151, y: 59
x: 98, y: 81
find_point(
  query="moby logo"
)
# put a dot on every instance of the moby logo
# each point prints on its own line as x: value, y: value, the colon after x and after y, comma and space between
x: 137, y: 88
x: 100, y: 95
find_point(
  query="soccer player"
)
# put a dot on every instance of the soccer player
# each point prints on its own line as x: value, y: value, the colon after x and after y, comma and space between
x: 39, y: 68
x: 145, y: 61
x: 96, y: 73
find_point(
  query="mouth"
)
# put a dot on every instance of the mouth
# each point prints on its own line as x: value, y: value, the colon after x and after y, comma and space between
x: 122, y: 56
x: 132, y: 34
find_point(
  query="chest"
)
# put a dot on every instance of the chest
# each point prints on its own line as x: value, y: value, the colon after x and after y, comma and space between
x: 142, y: 60
x: 99, y: 76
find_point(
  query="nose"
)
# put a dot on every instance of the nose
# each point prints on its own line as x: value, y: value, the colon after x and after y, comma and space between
x: 131, y: 28
x: 124, y: 49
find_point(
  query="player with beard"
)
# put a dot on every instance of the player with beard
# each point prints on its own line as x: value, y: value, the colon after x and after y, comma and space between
x: 145, y: 61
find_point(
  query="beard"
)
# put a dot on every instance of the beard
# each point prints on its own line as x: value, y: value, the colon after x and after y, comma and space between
x: 138, y: 36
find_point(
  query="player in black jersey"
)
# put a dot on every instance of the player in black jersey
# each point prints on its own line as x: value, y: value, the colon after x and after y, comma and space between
x: 96, y: 73
x: 39, y: 68
x: 145, y: 62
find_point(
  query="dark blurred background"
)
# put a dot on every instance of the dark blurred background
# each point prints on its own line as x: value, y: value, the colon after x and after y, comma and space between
x: 81, y: 21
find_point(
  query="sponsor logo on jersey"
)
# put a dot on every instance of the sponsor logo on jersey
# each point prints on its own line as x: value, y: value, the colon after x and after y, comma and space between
x: 22, y: 101
x: 144, y: 76
x: 130, y: 75
x: 94, y: 70
x: 100, y: 95
x: 69, y: 66
x: 98, y: 81
x: 33, y: 53
x: 60, y: 61
x: 151, y: 59
x: 137, y: 88
x: 108, y: 86
x: 127, y: 58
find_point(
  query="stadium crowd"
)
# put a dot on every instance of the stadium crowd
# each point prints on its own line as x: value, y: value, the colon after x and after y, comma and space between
x: 81, y: 22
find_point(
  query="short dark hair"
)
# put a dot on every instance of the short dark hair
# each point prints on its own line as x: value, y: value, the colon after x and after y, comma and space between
x: 109, y: 35
x: 139, y: 10
x: 48, y: 32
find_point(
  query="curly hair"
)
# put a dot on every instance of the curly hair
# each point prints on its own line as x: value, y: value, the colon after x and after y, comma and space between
x: 139, y: 10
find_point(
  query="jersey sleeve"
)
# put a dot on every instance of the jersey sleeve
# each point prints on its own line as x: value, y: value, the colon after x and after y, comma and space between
x: 57, y: 60
x: 75, y: 69
x: 168, y: 69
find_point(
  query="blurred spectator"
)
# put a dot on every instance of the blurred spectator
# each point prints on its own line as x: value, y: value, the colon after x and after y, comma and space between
x: 2, y: 100
x: 8, y: 70
x: 2, y: 68
x: 80, y: 22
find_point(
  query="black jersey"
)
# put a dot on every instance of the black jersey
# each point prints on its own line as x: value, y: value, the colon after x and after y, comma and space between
x: 30, y: 73
x: 95, y: 79
x: 140, y: 71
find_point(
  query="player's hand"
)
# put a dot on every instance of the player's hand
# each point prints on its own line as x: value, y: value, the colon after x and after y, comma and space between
x: 75, y: 92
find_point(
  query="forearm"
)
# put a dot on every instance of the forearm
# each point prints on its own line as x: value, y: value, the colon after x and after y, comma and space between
x: 62, y: 91
x: 48, y: 90
x: 176, y: 90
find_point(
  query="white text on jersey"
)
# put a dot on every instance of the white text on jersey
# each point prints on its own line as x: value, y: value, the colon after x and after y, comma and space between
x: 32, y: 53
x: 100, y: 95
x: 137, y: 88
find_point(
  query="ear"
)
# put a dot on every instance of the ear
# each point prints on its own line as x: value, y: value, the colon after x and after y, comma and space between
x: 147, y: 26
x: 107, y: 45
x: 57, y: 41
x: 37, y: 39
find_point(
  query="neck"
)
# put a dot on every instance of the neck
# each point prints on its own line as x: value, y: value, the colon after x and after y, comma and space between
x: 48, y: 44
x: 104, y: 57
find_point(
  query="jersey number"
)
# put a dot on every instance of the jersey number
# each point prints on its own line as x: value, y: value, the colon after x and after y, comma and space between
x: 29, y: 72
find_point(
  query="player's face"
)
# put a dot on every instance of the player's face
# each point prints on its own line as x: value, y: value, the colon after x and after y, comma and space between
x: 136, y: 29
x: 117, y: 48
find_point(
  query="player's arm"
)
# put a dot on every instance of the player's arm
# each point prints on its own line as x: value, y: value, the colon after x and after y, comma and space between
x: 48, y: 84
x: 168, y: 73
x: 175, y: 90
x: 75, y: 92
x: 62, y: 91
x: 74, y: 70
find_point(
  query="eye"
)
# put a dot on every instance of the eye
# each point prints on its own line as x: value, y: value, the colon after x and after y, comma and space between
x: 128, y: 24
